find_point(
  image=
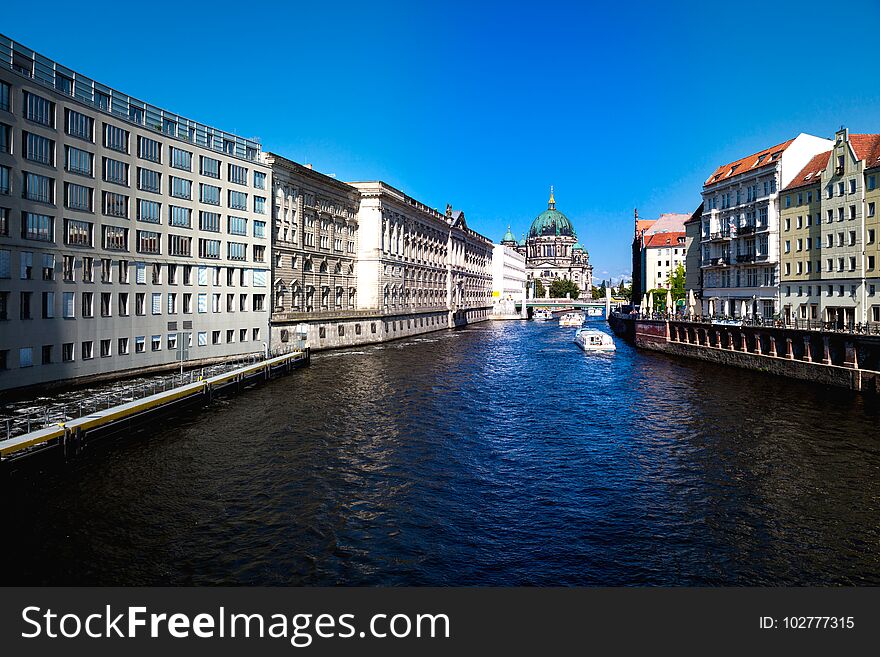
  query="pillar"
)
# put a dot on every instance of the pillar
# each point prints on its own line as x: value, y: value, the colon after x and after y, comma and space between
x: 730, y: 340
x: 789, y: 350
x: 826, y: 357
x: 745, y: 344
x: 808, y: 356
x: 773, y: 345
x: 852, y: 356
x: 717, y: 337
x: 758, y: 343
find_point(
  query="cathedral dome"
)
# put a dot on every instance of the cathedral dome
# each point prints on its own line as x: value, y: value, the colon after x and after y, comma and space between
x: 552, y: 222
x: 508, y: 236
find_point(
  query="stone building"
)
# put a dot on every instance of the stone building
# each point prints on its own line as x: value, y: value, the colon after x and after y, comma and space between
x: 314, y: 248
x: 130, y: 237
x: 508, y: 278
x: 552, y: 251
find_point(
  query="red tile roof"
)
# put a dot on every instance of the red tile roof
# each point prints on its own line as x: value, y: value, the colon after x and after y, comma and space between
x: 644, y: 224
x: 658, y: 240
x: 867, y: 148
x: 812, y: 173
x: 757, y: 160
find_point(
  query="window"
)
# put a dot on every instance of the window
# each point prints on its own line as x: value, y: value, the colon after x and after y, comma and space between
x: 140, y: 344
x: 79, y: 125
x: 115, y: 171
x: 149, y: 211
x: 105, y: 304
x: 209, y: 194
x: 156, y: 303
x: 236, y: 225
x: 123, y: 304
x: 79, y: 161
x: 208, y: 249
x: 38, y: 109
x: 256, y: 333
x: 872, y: 182
x: 236, y: 251
x: 181, y: 159
x: 202, y: 302
x: 68, y: 302
x: 5, y: 91
x: 259, y: 205
x: 852, y: 212
x: 259, y: 253
x: 115, y: 138
x: 37, y: 227
x: 187, y: 303
x: 870, y: 236
x: 88, y: 265
x: 237, y: 174
x: 149, y: 180
x: 4, y: 180
x: 203, y: 338
x: 115, y: 238
x: 852, y: 185
x: 180, y: 217
x: 115, y: 205
x: 181, y: 187
x: 48, y: 305
x: 237, y: 200
x: 68, y: 268
x: 38, y: 188
x: 172, y: 303
x: 26, y: 357
x: 38, y: 149
x: 156, y: 343
x: 149, y: 149
x: 147, y: 242
x: 78, y: 197
x: 259, y: 180
x: 87, y: 299
x: 209, y: 221
x: 179, y: 245
x: 209, y: 167
x: 122, y: 346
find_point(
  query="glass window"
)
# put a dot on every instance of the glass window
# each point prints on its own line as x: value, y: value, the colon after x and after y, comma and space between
x: 236, y: 225
x: 181, y: 187
x: 259, y: 180
x: 209, y: 221
x: 38, y: 148
x: 79, y: 125
x: 79, y: 161
x: 38, y: 109
x: 115, y: 138
x: 181, y: 217
x: 147, y: 242
x: 237, y: 200
x: 37, y: 227
x: 79, y: 197
x: 149, y: 180
x: 115, y: 205
x: 115, y: 171
x: 181, y: 159
x: 149, y: 211
x: 77, y: 233
x: 209, y: 167
x: 209, y: 194
x: 149, y: 149
x: 38, y: 188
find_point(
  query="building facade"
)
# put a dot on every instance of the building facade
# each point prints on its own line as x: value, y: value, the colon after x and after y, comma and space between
x: 740, y: 228
x: 828, y: 236
x: 664, y: 252
x: 314, y: 251
x: 508, y: 278
x: 693, y: 284
x: 130, y: 237
x: 552, y: 251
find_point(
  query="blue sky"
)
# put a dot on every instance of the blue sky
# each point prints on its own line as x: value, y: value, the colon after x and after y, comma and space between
x: 486, y: 104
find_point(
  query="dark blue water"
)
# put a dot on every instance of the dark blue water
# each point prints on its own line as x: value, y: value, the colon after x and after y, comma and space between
x: 495, y: 455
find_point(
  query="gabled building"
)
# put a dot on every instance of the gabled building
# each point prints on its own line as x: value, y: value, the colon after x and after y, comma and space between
x: 666, y: 224
x: 740, y: 227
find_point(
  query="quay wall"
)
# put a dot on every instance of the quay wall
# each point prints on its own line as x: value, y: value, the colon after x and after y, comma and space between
x: 828, y: 358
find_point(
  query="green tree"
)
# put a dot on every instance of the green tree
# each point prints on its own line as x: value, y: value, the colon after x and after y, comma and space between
x: 539, y: 289
x: 676, y: 283
x: 599, y: 292
x: 562, y: 286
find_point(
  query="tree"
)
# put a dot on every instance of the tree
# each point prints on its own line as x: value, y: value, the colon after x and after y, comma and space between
x: 676, y: 283
x: 599, y: 292
x: 562, y: 286
x: 539, y: 289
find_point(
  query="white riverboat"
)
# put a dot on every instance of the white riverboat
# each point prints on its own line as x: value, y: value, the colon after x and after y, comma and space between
x: 542, y: 314
x: 572, y: 319
x: 594, y: 312
x: 593, y: 340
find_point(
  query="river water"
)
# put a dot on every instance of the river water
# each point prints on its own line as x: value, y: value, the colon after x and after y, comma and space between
x: 495, y: 455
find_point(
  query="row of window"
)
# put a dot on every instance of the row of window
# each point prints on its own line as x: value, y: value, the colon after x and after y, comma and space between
x: 829, y: 290
x: 40, y: 188
x: 42, y: 111
x: 233, y: 303
x: 183, y: 274
x: 124, y: 345
x: 843, y: 264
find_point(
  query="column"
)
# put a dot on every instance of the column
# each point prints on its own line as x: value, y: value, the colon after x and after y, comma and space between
x: 772, y: 345
x: 789, y: 350
x: 745, y: 344
x: 808, y: 356
x: 758, y: 343
x: 826, y: 357
x: 852, y: 356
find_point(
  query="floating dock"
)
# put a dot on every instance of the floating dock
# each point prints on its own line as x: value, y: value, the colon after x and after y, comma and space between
x: 71, y: 435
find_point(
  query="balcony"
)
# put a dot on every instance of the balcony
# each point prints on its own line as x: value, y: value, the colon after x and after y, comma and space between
x: 838, y: 171
x: 745, y: 257
x: 746, y: 230
x: 725, y: 235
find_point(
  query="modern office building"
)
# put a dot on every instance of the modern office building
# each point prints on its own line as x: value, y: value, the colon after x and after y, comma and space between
x: 740, y: 227
x: 130, y: 237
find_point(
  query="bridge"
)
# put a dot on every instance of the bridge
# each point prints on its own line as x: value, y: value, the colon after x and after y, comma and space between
x: 553, y: 304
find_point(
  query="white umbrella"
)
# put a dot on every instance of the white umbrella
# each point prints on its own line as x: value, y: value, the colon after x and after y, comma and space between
x: 743, y: 310
x: 650, y: 301
x: 669, y: 301
x: 691, y: 302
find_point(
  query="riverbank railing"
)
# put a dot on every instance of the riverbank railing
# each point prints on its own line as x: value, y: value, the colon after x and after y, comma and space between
x: 35, y: 417
x: 853, y: 328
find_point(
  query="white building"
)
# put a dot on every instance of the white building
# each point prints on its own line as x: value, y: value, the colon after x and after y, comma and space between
x: 663, y: 253
x: 508, y: 279
x: 126, y: 231
x: 740, y: 227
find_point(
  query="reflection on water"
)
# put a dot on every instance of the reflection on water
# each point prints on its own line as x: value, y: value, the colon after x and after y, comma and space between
x: 498, y: 454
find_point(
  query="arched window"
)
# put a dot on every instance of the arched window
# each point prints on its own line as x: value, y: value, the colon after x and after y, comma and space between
x: 279, y: 294
x: 296, y: 295
x: 339, y: 295
x: 310, y: 298
x: 307, y: 264
x: 325, y: 297
x: 385, y: 297
x: 352, y: 297
x: 323, y: 268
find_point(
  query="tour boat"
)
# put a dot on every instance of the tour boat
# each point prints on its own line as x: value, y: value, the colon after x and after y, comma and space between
x: 542, y: 314
x: 593, y: 340
x: 594, y: 312
x: 572, y: 319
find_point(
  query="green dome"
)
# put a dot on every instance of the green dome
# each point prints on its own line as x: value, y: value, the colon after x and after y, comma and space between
x: 508, y: 236
x: 577, y: 245
x: 522, y: 242
x: 552, y: 222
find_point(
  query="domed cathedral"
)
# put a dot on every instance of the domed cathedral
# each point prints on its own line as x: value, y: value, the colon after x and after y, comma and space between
x: 552, y: 250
